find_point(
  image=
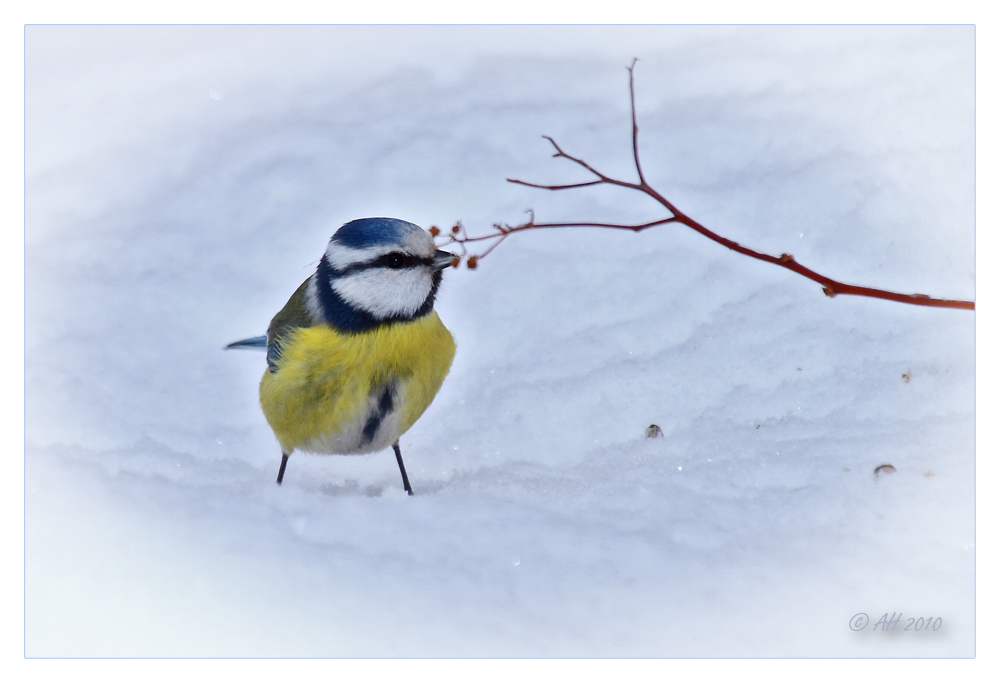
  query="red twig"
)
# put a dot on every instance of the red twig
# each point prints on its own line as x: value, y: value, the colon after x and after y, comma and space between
x: 831, y: 287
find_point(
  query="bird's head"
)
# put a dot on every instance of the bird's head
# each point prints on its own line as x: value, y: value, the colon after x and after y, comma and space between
x: 376, y: 271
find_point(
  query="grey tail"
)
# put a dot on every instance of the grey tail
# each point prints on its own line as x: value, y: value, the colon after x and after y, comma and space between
x: 251, y: 343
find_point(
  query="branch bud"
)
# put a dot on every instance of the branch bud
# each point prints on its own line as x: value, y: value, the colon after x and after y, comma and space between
x: 434, y: 231
x: 471, y: 263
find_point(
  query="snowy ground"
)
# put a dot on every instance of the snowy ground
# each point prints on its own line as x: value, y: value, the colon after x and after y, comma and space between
x: 181, y: 182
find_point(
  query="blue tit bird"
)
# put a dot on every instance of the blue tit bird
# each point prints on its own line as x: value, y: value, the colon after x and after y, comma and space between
x: 358, y: 353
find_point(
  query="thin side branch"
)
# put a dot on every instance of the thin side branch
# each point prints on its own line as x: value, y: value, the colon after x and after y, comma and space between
x: 830, y: 286
x: 635, y: 125
x: 555, y: 187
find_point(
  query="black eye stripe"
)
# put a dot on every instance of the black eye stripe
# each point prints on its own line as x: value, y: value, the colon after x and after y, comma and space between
x: 397, y: 260
x: 394, y: 260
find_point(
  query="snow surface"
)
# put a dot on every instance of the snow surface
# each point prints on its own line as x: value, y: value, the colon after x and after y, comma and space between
x: 182, y: 181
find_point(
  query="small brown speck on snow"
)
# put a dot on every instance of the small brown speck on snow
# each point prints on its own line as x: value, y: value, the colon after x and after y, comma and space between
x: 882, y: 470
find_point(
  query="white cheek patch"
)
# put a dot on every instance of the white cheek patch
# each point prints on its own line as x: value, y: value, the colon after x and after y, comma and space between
x: 384, y: 292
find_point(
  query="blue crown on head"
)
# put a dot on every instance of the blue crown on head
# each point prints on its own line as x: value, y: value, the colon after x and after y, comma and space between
x: 370, y: 232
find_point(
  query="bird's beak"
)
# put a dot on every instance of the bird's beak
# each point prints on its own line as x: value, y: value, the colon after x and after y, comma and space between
x: 442, y: 259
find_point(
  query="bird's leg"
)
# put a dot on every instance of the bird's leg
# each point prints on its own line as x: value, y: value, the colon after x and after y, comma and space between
x: 402, y: 470
x: 281, y: 470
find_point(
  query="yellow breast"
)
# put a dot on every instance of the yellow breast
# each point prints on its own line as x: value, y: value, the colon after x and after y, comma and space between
x: 326, y: 380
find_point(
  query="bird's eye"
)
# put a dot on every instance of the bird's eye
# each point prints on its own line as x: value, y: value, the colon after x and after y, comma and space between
x: 395, y: 260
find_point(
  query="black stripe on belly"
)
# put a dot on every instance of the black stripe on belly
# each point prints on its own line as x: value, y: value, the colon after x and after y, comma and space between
x: 383, y: 408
